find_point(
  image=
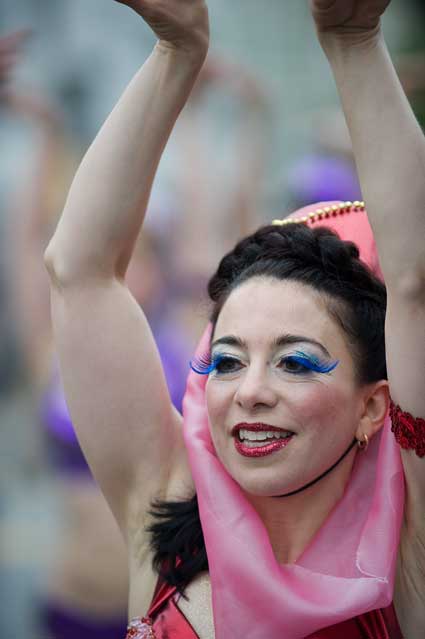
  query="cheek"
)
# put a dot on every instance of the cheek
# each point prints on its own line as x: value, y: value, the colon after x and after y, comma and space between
x: 318, y: 405
x: 219, y: 391
x: 218, y: 399
x: 215, y: 400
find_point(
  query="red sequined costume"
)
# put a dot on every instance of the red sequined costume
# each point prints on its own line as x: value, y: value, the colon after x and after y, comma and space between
x: 166, y: 621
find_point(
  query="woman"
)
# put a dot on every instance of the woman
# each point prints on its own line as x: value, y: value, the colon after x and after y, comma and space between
x: 85, y: 589
x: 284, y: 365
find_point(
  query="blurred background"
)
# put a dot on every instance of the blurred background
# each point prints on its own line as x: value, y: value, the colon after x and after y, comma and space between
x: 261, y: 135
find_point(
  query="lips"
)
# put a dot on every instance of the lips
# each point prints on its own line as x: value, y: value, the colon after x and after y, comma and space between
x: 257, y: 427
x: 269, y: 439
x: 248, y: 450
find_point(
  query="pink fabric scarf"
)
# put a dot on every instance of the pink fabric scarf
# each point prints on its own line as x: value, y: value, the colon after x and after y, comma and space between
x: 349, y: 566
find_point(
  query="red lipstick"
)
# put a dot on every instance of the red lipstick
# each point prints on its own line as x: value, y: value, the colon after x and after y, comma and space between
x: 261, y: 451
x: 259, y: 448
x: 258, y: 426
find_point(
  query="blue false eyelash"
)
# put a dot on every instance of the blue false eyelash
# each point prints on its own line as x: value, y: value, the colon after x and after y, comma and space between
x: 203, y: 365
x: 313, y: 363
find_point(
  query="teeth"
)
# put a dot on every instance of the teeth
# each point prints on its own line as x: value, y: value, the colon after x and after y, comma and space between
x: 261, y: 435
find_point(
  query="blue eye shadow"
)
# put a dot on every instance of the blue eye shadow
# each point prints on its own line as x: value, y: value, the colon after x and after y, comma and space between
x: 204, y: 364
x: 313, y: 363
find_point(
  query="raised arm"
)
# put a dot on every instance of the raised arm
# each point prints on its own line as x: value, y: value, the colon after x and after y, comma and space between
x: 389, y: 148
x: 31, y: 213
x: 388, y: 143
x: 112, y: 374
x: 27, y: 213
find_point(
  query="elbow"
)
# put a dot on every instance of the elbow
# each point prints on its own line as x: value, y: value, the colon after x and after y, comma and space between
x: 61, y: 272
x: 69, y: 268
x: 50, y: 263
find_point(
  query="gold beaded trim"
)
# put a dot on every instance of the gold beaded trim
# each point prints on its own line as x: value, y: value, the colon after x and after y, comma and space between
x: 320, y: 214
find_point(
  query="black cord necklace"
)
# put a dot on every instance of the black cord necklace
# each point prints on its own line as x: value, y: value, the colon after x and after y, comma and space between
x: 314, y: 481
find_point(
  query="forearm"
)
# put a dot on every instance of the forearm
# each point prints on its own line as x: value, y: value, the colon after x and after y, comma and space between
x: 108, y: 197
x: 389, y: 148
x: 29, y: 286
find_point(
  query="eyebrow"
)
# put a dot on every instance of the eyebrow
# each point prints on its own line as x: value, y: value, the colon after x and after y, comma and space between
x: 282, y: 340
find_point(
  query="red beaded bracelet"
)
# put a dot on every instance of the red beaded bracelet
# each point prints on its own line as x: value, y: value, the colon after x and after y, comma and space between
x: 409, y: 431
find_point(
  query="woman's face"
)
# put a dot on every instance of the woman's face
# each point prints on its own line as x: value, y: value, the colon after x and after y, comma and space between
x: 282, y: 398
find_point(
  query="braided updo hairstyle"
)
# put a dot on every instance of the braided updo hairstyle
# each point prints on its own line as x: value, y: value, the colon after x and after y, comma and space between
x: 355, y: 299
x: 318, y: 258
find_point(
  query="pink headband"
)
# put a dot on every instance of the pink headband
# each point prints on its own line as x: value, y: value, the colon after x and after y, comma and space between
x: 349, y: 567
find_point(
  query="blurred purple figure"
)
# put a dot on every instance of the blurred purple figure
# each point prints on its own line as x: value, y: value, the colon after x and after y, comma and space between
x: 322, y: 177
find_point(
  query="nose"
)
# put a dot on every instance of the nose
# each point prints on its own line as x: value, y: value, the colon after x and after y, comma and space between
x: 255, y: 389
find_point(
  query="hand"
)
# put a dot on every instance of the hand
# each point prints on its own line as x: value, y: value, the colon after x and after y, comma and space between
x: 179, y: 24
x: 10, y: 48
x: 36, y: 107
x: 350, y: 20
x: 228, y: 75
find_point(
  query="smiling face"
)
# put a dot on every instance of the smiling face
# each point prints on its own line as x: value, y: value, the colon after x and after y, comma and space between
x: 281, y: 366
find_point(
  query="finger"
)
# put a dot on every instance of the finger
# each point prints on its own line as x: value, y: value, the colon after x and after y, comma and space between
x: 328, y: 13
x: 322, y: 4
x: 143, y: 7
x: 137, y: 5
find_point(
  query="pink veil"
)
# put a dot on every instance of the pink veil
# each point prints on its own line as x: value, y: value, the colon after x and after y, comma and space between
x: 349, y: 567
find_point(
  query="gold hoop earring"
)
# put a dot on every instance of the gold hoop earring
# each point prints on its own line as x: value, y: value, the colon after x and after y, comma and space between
x: 363, y: 444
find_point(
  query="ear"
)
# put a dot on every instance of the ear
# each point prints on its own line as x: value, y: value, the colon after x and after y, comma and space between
x: 376, y: 404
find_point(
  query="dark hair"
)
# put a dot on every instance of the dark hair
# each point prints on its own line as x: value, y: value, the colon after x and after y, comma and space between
x: 354, y: 297
x: 318, y: 258
x: 177, y: 541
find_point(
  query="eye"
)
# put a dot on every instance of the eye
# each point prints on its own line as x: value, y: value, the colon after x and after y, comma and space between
x: 294, y: 365
x: 300, y: 363
x: 219, y: 364
x: 225, y: 364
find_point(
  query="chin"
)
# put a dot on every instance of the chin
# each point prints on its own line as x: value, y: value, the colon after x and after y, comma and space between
x: 260, y: 486
x: 260, y: 481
